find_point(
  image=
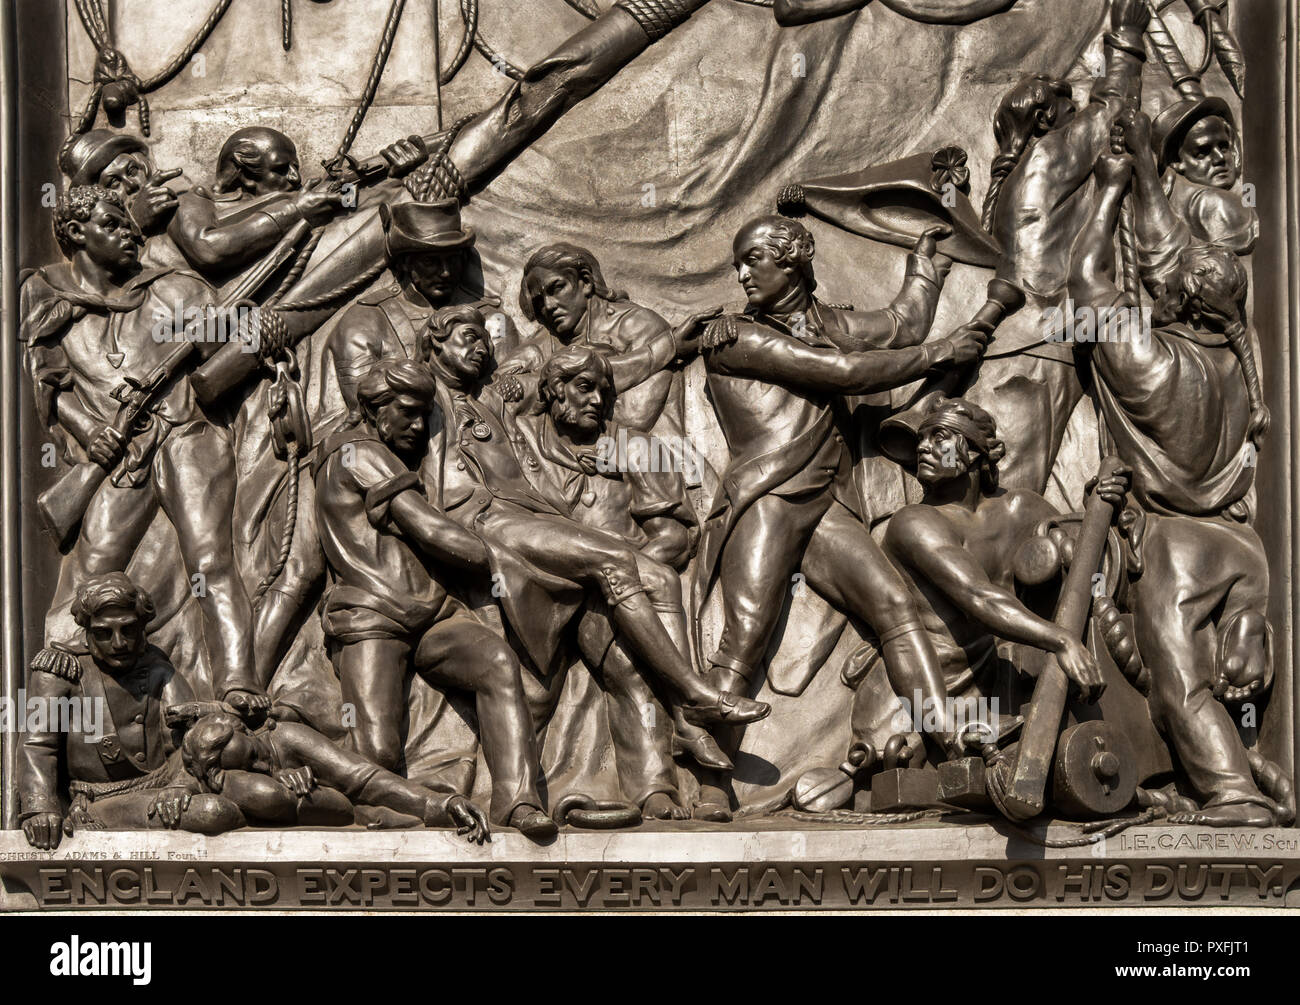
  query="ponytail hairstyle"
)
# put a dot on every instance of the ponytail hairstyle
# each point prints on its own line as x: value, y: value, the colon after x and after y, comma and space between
x: 1029, y: 110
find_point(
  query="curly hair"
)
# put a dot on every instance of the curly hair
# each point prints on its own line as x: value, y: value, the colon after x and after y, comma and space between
x: 1026, y: 112
x: 1206, y: 273
x: 76, y: 205
x: 567, y: 364
x: 203, y: 744
x: 443, y: 321
x: 111, y: 589
x: 561, y: 257
x: 791, y: 244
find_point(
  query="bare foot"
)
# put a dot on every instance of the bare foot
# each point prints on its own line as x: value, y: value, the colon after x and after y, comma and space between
x: 1273, y: 782
x: 714, y: 813
x: 1244, y: 667
x: 662, y: 806
x: 249, y: 704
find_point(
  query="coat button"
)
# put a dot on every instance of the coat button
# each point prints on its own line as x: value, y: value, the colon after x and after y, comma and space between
x: 139, y: 756
x: 138, y: 720
x: 460, y: 465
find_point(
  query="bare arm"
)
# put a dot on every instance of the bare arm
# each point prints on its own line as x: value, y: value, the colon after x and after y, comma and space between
x: 1161, y: 233
x: 1092, y: 275
x: 792, y: 12
x: 925, y: 543
x: 578, y: 68
x: 437, y: 535
x: 491, y: 139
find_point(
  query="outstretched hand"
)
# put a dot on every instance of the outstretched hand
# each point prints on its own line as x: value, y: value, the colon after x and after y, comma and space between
x: 471, y: 822
x: 969, y: 344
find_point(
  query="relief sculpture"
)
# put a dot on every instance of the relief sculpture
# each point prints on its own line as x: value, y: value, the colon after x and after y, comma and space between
x: 881, y: 456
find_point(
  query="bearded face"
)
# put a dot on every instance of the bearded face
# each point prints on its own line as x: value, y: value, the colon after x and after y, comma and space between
x: 580, y: 404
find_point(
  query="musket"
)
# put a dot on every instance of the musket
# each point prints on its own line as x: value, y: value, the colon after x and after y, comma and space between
x: 64, y: 503
x: 229, y: 367
x: 1019, y: 786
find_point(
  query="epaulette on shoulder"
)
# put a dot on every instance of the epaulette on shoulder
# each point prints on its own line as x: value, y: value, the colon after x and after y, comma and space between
x: 58, y: 662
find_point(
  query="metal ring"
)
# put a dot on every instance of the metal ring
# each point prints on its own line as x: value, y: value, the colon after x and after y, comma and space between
x: 579, y: 810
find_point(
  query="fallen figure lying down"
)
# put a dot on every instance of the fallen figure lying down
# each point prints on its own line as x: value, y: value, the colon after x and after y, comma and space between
x: 286, y: 773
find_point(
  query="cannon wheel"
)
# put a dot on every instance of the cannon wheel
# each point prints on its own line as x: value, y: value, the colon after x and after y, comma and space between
x: 1096, y: 770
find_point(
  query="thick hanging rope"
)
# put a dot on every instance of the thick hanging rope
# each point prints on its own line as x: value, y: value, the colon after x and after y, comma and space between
x: 469, y: 16
x: 372, y: 82
x: 330, y: 296
x: 286, y: 24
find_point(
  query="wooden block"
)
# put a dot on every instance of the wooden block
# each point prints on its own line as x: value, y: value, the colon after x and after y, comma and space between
x: 962, y: 783
x: 904, y: 789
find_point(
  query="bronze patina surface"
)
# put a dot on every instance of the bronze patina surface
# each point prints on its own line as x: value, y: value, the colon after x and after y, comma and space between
x: 649, y: 454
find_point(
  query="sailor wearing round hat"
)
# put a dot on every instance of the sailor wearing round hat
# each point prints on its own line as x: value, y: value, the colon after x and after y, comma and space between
x: 429, y: 252
x: 122, y: 163
x: 1186, y: 190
